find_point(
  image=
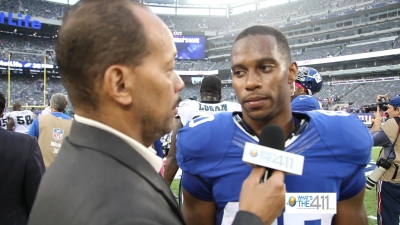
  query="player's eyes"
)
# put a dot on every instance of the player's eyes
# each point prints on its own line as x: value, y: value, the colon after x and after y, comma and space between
x: 266, y: 68
x: 238, y: 72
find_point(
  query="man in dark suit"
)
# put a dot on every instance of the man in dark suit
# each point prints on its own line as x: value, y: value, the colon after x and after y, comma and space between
x: 21, y: 168
x: 116, y: 61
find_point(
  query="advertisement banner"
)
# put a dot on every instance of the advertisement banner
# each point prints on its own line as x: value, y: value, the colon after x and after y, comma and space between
x: 365, y: 117
x: 190, y: 47
x: 21, y: 21
x: 28, y: 65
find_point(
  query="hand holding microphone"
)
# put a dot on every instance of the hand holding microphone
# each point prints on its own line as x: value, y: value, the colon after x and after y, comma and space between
x: 270, y: 154
x: 265, y: 200
x: 274, y: 137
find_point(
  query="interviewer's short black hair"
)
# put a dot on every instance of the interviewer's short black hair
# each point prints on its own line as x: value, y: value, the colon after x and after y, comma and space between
x: 2, y: 103
x: 282, y: 41
x: 211, y: 84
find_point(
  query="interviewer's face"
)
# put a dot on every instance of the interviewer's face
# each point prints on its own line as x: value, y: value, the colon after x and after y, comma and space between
x: 157, y: 84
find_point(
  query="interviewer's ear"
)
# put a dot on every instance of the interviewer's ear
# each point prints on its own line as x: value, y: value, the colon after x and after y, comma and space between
x: 117, y: 84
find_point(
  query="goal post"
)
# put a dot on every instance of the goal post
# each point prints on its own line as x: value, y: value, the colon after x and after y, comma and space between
x: 10, y: 83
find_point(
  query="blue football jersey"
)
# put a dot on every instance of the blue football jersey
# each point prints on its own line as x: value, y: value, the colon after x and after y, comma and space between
x: 336, y: 147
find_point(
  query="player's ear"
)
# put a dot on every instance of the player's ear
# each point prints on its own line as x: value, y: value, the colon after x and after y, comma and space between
x: 116, y: 84
x: 292, y: 72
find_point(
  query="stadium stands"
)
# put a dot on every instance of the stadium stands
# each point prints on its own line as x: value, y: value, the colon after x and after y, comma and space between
x: 379, y: 44
x: 335, y: 92
x: 194, y: 65
x: 284, y: 12
x: 29, y: 90
x: 34, y: 8
x: 305, y: 46
x: 228, y: 94
x: 366, y: 93
x: 319, y: 52
x: 26, y: 48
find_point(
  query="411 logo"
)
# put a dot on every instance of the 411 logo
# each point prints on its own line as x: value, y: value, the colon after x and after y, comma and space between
x: 311, y: 203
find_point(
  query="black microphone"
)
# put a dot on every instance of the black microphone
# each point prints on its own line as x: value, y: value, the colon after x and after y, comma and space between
x: 272, y: 136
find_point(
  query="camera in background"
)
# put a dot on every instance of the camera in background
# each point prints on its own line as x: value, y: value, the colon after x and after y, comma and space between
x: 381, y: 166
x: 383, y: 105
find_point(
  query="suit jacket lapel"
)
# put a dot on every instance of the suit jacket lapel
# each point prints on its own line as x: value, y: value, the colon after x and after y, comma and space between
x: 102, y: 141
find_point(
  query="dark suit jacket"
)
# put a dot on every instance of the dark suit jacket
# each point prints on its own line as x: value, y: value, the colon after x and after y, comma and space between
x: 96, y: 179
x: 21, y: 169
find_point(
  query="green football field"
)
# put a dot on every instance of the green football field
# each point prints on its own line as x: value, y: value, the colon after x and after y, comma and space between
x: 369, y: 199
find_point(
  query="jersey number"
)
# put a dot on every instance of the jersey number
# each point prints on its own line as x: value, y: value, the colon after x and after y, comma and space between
x: 4, y: 122
x: 21, y: 120
x: 201, y: 120
x: 317, y: 77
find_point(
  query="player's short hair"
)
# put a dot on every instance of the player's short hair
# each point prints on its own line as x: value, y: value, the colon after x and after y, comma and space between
x: 2, y: 103
x: 59, y: 102
x: 95, y: 35
x: 211, y: 84
x: 17, y: 106
x: 280, y: 38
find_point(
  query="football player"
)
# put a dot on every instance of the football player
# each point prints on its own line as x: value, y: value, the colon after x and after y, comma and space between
x: 308, y: 82
x: 210, y: 149
x: 210, y: 103
x: 19, y: 120
x: 3, y: 120
x: 46, y: 110
x: 305, y: 103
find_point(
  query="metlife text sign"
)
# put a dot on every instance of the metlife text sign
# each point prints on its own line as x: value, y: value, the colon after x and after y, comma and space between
x: 21, y: 21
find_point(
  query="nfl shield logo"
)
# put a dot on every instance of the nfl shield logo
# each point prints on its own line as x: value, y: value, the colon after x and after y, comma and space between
x: 58, y: 134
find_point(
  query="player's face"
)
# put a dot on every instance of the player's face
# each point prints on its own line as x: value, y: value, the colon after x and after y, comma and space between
x: 156, y: 83
x: 298, y: 91
x: 262, y: 77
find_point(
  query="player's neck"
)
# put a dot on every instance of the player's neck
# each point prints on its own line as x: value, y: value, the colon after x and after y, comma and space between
x: 209, y: 99
x: 286, y: 122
